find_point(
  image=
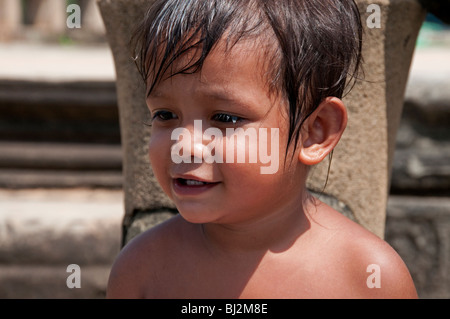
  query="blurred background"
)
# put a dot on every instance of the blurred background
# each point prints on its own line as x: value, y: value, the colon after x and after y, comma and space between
x: 61, y: 199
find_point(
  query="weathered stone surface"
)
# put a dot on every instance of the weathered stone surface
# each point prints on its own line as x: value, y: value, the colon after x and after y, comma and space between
x: 44, y: 231
x: 31, y: 165
x: 91, y: 18
x: 49, y: 282
x: 142, y: 221
x: 335, y: 203
x: 59, y: 227
x: 45, y: 62
x: 69, y: 112
x: 48, y: 15
x: 69, y: 156
x: 32, y: 178
x: 419, y: 229
x: 427, y: 104
x: 10, y: 19
x: 142, y: 191
x: 422, y: 156
x: 422, y: 171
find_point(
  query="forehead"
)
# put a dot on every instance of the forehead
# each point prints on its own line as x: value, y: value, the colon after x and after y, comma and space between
x: 242, y: 64
x: 235, y: 78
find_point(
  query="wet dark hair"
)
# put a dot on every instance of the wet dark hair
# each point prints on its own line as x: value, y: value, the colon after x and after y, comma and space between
x: 315, y: 51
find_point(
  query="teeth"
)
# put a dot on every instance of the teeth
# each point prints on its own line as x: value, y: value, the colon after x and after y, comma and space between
x: 191, y: 182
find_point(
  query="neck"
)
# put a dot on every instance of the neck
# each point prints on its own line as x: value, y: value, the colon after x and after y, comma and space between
x: 275, y: 231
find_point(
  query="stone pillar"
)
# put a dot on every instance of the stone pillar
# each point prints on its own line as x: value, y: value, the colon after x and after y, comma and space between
x: 91, y: 18
x: 358, y: 183
x: 10, y: 18
x: 48, y: 16
x: 144, y: 199
x: 360, y: 171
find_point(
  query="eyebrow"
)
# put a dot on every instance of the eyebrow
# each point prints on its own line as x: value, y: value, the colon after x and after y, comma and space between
x: 227, y: 96
x: 155, y: 93
x: 219, y: 94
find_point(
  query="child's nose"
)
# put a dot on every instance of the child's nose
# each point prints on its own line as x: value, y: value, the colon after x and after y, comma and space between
x: 195, y: 147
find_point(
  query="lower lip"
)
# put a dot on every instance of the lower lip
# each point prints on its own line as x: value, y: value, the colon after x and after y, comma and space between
x: 191, y: 190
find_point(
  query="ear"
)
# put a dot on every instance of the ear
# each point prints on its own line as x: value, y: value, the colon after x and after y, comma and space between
x: 322, y: 131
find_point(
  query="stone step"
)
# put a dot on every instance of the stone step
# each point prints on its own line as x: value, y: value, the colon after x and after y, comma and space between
x: 44, y: 231
x: 422, y: 171
x: 68, y: 156
x: 29, y: 178
x: 31, y: 165
x: 47, y: 227
x: 419, y: 229
x: 67, y: 112
x: 422, y: 156
x: 50, y: 282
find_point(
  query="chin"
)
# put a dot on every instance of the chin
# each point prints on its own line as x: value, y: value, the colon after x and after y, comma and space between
x: 196, y: 214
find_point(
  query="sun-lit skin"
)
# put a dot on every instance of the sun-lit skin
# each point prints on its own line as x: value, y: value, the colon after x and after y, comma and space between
x: 241, y: 91
x: 247, y: 234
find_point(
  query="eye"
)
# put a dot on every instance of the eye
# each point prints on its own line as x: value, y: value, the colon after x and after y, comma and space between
x: 163, y: 116
x: 226, y: 118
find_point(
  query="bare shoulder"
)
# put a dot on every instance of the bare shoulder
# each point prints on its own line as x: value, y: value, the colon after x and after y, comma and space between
x: 370, y: 266
x: 378, y: 267
x: 137, y: 265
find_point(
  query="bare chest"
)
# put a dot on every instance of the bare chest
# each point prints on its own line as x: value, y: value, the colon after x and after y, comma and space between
x: 301, y: 278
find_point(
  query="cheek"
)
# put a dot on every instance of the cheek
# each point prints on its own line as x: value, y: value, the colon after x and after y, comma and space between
x: 250, y: 193
x: 155, y: 146
x: 252, y: 146
x: 255, y: 161
x: 158, y: 148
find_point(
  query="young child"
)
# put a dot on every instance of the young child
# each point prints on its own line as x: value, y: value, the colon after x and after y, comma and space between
x: 220, y: 71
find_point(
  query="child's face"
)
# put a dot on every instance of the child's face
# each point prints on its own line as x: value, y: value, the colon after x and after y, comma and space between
x: 230, y: 92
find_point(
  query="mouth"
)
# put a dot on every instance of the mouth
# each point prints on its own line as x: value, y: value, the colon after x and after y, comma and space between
x: 191, y: 182
x: 184, y: 186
